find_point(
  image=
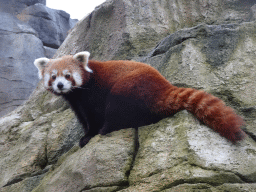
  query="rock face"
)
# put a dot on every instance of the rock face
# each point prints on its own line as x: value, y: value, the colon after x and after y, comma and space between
x: 208, y: 45
x: 14, y: 7
x: 28, y: 30
x: 51, y: 25
x: 20, y: 46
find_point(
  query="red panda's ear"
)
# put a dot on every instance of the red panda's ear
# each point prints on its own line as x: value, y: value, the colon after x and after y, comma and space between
x: 40, y: 64
x: 84, y: 58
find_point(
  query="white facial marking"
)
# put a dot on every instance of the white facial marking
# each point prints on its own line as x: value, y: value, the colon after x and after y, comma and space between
x: 65, y: 72
x: 46, y: 80
x: 54, y: 72
x: 78, y: 79
x: 67, y: 85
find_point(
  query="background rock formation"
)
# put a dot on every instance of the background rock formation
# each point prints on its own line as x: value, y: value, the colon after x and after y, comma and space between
x: 207, y: 45
x: 28, y: 30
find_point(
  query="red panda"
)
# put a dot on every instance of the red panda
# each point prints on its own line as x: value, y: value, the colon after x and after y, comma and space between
x: 113, y: 95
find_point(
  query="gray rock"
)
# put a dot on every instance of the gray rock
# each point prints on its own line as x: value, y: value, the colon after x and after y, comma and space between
x: 14, y: 7
x: 176, y: 150
x: 253, y: 10
x: 108, y: 171
x: 49, y: 52
x: 22, y: 42
x: 219, y: 41
x: 132, y: 29
x: 205, y: 187
x: 201, y: 44
x: 20, y: 46
x: 51, y: 25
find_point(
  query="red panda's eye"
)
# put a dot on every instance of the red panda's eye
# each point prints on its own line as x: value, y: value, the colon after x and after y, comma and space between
x: 53, y: 77
x: 67, y: 76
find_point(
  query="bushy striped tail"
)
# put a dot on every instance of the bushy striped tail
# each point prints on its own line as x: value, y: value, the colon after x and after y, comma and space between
x: 210, y: 110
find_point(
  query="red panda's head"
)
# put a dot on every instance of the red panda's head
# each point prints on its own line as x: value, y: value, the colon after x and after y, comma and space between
x: 64, y: 74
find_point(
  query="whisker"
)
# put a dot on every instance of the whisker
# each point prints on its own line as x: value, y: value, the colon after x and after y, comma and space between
x: 80, y: 87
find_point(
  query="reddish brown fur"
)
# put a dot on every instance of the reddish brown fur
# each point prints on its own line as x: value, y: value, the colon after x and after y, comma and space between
x: 141, y: 81
x: 134, y: 83
x: 63, y: 64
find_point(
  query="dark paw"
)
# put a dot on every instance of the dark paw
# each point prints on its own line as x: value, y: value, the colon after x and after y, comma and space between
x: 84, y: 140
x: 240, y: 135
x: 237, y: 136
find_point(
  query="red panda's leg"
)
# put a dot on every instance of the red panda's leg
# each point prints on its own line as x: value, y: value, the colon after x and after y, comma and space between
x: 118, y: 114
x: 84, y: 140
x: 124, y: 112
x: 95, y: 122
x: 90, y: 119
x: 93, y: 128
x: 105, y: 129
x: 89, y: 133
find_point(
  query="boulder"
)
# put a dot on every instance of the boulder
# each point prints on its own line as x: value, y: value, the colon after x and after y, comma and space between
x: 14, y: 7
x: 131, y: 29
x: 51, y: 25
x: 20, y: 47
x: 49, y: 52
x: 207, y: 45
x: 37, y: 32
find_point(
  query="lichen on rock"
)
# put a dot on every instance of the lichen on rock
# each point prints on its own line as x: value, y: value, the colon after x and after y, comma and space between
x: 207, y: 45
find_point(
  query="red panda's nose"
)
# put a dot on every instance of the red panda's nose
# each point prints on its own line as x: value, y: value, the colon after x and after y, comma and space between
x: 60, y: 85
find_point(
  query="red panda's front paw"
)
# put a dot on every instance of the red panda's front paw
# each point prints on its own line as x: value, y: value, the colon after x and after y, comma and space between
x: 238, y: 136
x: 84, y: 140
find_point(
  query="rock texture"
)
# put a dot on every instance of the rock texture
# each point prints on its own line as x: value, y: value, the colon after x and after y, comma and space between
x: 207, y: 45
x: 51, y: 25
x: 28, y: 30
x: 14, y: 7
x: 19, y: 47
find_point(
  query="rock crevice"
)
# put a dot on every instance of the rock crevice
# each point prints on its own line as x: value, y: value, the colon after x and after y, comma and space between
x: 208, y: 45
